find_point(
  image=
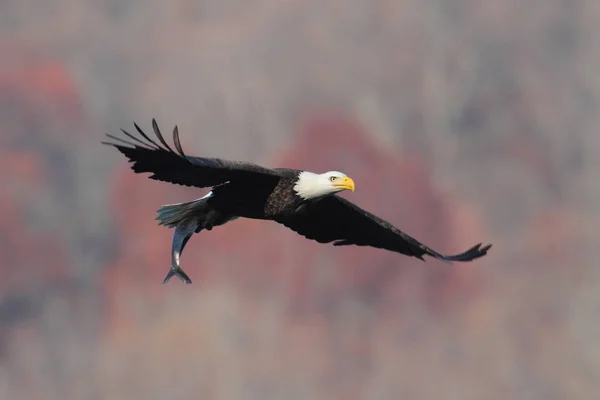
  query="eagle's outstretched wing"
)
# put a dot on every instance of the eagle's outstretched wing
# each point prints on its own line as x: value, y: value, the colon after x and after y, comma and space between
x: 168, y: 165
x: 334, y: 219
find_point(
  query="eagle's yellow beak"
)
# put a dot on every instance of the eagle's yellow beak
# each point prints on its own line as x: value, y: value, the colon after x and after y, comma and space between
x: 347, y: 184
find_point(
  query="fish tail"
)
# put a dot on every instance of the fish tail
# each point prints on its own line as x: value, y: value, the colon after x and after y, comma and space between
x: 178, y: 272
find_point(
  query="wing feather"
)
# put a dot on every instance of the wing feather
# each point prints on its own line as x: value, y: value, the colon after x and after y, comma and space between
x: 146, y: 145
x: 141, y: 132
x: 334, y: 219
x: 159, y: 135
x: 177, y: 142
x: 159, y: 159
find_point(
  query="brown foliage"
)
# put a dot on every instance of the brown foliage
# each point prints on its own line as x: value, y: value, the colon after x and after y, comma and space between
x: 487, y: 115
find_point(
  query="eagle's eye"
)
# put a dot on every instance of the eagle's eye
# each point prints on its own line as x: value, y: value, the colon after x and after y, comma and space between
x: 333, y: 178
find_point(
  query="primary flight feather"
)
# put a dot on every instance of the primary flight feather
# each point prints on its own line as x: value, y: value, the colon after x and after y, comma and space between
x: 303, y: 201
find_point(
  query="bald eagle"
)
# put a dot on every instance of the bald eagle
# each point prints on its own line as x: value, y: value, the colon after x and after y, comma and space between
x: 303, y: 201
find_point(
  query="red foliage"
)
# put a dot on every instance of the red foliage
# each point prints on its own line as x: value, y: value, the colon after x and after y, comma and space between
x: 397, y: 187
x: 36, y: 91
x: 555, y: 239
x: 144, y: 247
x: 27, y: 254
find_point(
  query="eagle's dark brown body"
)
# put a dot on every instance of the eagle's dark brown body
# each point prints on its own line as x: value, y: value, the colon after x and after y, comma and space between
x: 272, y: 199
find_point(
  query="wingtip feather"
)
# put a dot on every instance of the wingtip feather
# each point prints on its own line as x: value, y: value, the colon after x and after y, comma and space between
x: 471, y: 254
x: 177, y: 142
x: 159, y: 135
x: 141, y: 132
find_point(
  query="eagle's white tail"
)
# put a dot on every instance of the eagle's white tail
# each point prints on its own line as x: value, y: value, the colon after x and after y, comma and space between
x: 172, y: 215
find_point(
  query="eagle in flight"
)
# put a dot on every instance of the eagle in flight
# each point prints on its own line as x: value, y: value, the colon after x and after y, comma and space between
x: 303, y: 201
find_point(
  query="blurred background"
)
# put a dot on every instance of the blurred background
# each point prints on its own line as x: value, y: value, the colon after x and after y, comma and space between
x: 461, y: 121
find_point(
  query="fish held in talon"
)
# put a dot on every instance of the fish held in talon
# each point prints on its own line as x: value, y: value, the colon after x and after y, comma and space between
x: 184, y: 229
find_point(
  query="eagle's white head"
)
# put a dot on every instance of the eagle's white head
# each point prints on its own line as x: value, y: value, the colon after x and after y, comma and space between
x: 310, y: 185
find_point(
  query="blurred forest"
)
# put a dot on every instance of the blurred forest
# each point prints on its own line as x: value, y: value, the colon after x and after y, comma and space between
x: 460, y: 121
